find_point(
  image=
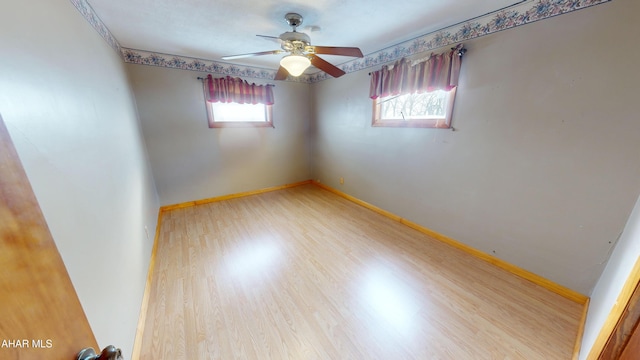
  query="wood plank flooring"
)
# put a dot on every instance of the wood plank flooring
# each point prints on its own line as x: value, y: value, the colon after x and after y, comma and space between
x: 302, y: 273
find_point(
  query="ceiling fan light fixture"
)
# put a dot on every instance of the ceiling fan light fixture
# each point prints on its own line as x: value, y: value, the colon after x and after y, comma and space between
x: 295, y: 64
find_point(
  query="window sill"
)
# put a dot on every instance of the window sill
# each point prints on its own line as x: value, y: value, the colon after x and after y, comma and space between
x: 239, y: 124
x: 432, y: 124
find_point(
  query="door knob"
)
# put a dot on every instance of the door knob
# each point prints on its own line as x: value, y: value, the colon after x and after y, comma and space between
x: 108, y: 353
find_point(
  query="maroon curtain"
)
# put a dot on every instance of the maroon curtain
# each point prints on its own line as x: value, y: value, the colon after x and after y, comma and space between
x: 228, y: 89
x: 439, y: 72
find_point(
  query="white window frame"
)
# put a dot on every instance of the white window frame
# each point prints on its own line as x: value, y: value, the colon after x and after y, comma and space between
x: 213, y: 123
x: 422, y: 122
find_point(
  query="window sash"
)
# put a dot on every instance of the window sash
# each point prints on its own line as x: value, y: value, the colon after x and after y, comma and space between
x: 421, y: 122
x: 213, y: 123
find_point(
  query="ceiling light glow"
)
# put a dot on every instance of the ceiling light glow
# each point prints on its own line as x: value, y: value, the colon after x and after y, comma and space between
x: 295, y: 64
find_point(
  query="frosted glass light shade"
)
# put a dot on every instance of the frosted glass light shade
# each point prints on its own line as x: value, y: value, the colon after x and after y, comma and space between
x: 295, y: 64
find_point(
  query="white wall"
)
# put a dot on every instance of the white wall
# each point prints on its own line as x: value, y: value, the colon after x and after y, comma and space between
x: 190, y: 161
x: 613, y: 278
x: 542, y: 170
x: 65, y: 97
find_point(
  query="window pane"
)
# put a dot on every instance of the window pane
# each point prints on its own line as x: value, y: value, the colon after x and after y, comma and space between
x: 238, y: 112
x: 432, y: 105
x: 426, y: 110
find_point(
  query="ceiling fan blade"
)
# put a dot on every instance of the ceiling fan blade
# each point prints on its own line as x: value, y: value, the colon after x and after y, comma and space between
x: 281, y: 74
x: 334, y: 50
x: 240, y: 56
x: 273, y: 38
x: 325, y: 66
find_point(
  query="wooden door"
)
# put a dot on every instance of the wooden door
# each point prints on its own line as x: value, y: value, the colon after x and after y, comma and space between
x: 40, y: 314
x: 624, y: 340
x: 631, y: 350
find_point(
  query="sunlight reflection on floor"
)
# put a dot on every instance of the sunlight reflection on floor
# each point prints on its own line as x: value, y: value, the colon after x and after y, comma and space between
x: 249, y: 262
x: 392, y: 302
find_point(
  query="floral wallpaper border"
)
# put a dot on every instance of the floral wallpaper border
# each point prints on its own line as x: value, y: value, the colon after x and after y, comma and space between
x: 522, y: 13
x: 142, y: 57
x: 90, y: 15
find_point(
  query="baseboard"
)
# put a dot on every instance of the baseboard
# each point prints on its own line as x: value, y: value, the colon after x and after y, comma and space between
x: 142, y: 319
x: 536, y: 279
x: 232, y: 196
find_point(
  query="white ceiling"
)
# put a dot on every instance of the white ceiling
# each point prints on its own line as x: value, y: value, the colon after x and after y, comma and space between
x: 208, y: 29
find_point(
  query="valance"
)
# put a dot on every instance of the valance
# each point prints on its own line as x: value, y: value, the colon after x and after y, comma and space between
x: 228, y: 89
x: 438, y: 72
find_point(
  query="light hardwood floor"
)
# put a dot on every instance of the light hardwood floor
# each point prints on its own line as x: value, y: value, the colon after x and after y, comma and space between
x: 302, y: 273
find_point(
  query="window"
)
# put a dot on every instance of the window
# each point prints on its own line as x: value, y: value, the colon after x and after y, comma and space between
x: 416, y: 93
x: 427, y: 109
x: 233, y: 102
x: 239, y: 115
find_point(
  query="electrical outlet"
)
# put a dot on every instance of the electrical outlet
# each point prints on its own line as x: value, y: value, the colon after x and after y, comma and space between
x: 341, y: 180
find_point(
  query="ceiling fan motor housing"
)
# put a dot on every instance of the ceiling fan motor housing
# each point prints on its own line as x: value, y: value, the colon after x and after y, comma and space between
x: 294, y: 41
x: 301, y: 53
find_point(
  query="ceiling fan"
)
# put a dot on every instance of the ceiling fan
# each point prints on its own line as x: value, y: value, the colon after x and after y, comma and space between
x: 301, y: 53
